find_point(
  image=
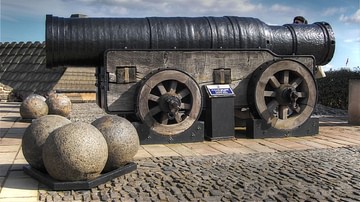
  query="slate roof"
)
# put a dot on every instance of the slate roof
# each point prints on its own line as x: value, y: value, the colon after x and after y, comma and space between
x: 77, y: 79
x: 23, y: 68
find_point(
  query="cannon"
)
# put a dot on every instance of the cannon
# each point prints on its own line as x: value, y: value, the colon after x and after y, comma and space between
x: 154, y: 69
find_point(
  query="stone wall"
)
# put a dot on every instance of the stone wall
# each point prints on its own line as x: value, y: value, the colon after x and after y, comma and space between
x: 5, y: 92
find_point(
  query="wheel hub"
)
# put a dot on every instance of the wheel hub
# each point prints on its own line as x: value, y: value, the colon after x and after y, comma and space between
x: 283, y: 94
x: 287, y: 95
x: 170, y: 104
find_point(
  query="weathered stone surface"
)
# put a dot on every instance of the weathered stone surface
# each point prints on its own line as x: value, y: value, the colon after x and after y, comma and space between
x: 76, y: 151
x: 122, y: 139
x: 35, y: 136
x: 312, y: 175
x: 34, y: 106
x: 59, y: 104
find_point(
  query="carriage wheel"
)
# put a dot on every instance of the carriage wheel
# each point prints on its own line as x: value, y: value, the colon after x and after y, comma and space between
x: 283, y: 93
x: 169, y: 101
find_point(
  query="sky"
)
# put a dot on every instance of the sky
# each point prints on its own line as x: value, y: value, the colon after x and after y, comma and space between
x: 24, y: 20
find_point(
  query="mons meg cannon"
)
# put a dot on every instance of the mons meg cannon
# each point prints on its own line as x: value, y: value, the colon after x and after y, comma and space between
x: 155, y: 70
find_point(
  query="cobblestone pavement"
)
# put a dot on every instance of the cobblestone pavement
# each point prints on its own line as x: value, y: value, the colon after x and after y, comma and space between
x: 312, y: 175
x: 85, y: 112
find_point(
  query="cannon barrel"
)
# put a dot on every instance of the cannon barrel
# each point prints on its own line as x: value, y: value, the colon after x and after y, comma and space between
x: 83, y: 41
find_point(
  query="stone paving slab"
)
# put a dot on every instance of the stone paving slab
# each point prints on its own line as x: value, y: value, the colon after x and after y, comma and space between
x: 157, y: 150
x: 202, y: 149
x: 9, y: 148
x: 142, y: 153
x: 234, y: 147
x: 309, y: 143
x: 19, y: 186
x: 343, y: 138
x: 182, y: 150
x: 335, y: 140
x: 326, y: 142
x: 254, y: 145
x: 267, y: 142
x: 6, y: 141
x: 7, y: 157
x: 285, y: 142
x: 226, y: 148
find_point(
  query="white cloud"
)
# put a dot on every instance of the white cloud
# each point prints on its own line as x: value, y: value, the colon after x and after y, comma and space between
x: 333, y: 11
x: 15, y: 9
x: 281, y: 8
x: 355, y: 18
x: 354, y: 40
x: 164, y: 8
x: 144, y: 8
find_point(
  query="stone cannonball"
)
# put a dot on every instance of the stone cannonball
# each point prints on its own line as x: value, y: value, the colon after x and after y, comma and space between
x: 34, y: 106
x: 35, y: 136
x: 75, y: 152
x: 121, y: 137
x: 59, y: 104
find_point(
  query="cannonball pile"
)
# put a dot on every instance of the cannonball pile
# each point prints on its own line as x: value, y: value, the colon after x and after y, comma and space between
x: 77, y: 151
x: 35, y: 106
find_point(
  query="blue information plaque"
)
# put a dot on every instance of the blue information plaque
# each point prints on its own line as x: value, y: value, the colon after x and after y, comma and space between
x: 223, y: 90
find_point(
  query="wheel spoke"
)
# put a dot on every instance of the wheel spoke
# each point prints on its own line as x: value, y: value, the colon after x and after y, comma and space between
x: 154, y: 98
x: 155, y: 110
x: 178, y: 117
x: 183, y: 93
x: 272, y: 105
x: 173, y: 86
x: 161, y: 88
x: 269, y: 93
x: 285, y: 77
x: 185, y: 106
x: 297, y: 110
x: 283, y: 112
x: 296, y: 82
x: 301, y: 94
x: 274, y: 82
x: 164, y: 119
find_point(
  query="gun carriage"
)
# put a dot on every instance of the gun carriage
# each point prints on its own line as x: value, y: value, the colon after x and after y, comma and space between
x: 154, y: 69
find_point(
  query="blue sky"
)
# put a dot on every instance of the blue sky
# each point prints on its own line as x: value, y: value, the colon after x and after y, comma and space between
x: 24, y: 20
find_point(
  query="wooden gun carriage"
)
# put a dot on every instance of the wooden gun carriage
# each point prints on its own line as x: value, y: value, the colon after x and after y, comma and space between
x: 153, y: 70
